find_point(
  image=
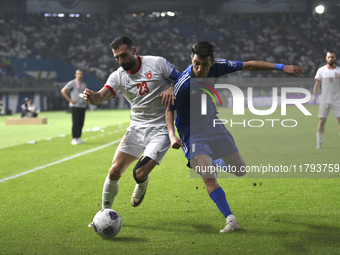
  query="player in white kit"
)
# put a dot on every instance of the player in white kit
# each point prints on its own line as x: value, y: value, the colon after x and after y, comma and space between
x: 145, y: 81
x: 328, y: 77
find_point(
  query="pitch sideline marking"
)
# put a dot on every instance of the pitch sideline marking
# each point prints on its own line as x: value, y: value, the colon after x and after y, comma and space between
x: 58, y: 161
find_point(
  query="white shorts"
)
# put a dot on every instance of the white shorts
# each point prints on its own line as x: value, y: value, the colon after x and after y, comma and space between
x: 152, y: 142
x: 324, y: 110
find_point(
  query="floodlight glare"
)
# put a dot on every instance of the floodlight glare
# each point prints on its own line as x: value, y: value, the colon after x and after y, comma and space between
x: 319, y: 9
x: 170, y: 13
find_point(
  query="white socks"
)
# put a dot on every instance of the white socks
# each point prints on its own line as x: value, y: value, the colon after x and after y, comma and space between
x: 110, y: 190
x: 319, y: 138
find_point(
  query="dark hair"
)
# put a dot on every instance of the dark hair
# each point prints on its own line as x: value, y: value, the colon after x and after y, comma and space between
x: 119, y: 41
x: 330, y: 51
x: 203, y: 49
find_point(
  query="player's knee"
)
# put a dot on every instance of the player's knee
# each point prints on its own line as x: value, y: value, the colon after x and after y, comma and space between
x: 114, y: 173
x: 323, y: 121
x: 240, y: 172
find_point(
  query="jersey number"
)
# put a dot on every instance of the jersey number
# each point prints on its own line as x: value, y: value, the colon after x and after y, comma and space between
x: 143, y: 88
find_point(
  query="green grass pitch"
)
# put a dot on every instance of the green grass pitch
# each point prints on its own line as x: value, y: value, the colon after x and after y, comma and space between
x: 47, y: 211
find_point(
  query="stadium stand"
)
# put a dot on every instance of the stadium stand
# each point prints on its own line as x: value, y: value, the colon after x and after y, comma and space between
x: 296, y: 38
x: 84, y: 42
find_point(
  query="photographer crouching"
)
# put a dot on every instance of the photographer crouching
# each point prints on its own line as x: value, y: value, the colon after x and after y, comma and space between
x: 28, y: 109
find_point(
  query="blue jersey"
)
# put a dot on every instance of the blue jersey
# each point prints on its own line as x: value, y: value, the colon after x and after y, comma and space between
x: 188, y: 92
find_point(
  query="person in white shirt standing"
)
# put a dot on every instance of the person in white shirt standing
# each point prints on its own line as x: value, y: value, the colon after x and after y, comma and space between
x: 328, y: 77
x: 145, y: 82
x: 78, y: 105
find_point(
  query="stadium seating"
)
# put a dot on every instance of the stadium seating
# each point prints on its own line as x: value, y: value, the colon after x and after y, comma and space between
x: 299, y: 39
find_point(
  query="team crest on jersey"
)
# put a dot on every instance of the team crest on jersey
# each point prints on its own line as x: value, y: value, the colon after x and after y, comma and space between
x: 148, y: 75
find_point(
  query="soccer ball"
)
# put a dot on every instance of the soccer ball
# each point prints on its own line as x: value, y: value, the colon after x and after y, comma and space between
x: 107, y: 223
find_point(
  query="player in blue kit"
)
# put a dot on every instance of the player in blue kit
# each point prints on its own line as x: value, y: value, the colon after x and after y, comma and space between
x: 201, y: 142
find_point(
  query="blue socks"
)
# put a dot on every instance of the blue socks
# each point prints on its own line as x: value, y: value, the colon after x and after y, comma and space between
x: 218, y: 196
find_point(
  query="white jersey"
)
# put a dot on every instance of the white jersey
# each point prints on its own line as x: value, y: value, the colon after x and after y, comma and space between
x: 330, y: 84
x: 142, y: 88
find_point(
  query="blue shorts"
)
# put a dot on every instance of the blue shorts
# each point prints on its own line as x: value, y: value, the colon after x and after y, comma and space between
x: 216, y: 143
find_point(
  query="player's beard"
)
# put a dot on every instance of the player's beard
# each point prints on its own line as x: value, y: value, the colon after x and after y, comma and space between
x: 128, y: 66
x: 331, y: 63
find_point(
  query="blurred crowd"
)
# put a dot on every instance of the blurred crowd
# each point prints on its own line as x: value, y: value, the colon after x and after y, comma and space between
x: 298, y: 39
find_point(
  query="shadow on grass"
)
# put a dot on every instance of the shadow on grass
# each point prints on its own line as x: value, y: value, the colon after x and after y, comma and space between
x: 320, y: 236
x: 205, y: 228
x: 127, y: 239
x: 191, y: 228
x: 303, y: 238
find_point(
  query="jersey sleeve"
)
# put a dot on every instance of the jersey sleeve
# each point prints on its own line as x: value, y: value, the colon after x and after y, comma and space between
x: 181, y: 91
x: 174, y: 74
x: 318, y: 75
x: 113, y: 83
x: 224, y: 66
x: 168, y: 70
x: 69, y: 85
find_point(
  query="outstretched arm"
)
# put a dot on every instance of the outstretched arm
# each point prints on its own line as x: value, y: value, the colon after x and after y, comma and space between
x: 96, y: 98
x: 267, y: 66
x: 176, y: 143
x: 316, y: 89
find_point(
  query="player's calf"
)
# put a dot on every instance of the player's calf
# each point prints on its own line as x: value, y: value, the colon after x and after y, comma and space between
x: 141, y: 186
